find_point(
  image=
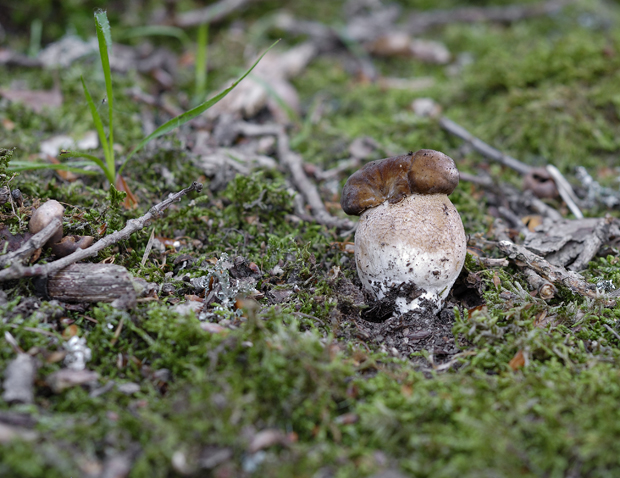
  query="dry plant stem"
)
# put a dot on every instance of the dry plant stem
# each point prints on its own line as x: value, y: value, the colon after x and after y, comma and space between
x: 546, y: 290
x: 513, y: 219
x: 422, y: 21
x: 554, y: 274
x: 484, y: 181
x: 489, y: 262
x: 294, y: 163
x: 599, y: 237
x: 565, y: 190
x: 31, y: 245
x: 210, y: 14
x: 612, y: 331
x: 483, y: 148
x: 17, y: 271
x: 531, y: 201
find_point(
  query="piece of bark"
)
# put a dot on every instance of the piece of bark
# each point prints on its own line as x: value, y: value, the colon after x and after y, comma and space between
x: 591, y: 246
x: 19, y: 380
x: 5, y: 193
x: 563, y: 242
x: 89, y: 283
x: 555, y: 274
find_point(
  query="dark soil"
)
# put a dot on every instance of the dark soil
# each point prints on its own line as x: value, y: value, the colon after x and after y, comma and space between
x: 413, y: 332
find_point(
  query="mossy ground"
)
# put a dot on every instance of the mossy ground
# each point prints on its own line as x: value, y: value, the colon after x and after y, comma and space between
x: 543, y: 90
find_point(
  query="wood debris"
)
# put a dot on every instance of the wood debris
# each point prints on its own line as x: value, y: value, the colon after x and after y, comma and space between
x: 17, y: 271
x: 554, y: 274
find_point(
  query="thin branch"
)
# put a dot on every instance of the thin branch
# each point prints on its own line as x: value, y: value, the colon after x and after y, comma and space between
x: 612, y: 331
x: 565, y: 190
x: 294, y: 163
x: 17, y: 271
x: 35, y: 242
x: 483, y: 148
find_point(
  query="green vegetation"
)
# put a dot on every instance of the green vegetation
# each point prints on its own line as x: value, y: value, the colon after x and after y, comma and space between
x: 543, y: 89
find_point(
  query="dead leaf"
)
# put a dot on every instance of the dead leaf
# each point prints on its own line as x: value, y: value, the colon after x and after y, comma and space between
x: 496, y: 280
x: 8, y: 125
x: 70, y: 331
x: 131, y: 201
x: 532, y: 222
x: 517, y: 361
x: 347, y: 246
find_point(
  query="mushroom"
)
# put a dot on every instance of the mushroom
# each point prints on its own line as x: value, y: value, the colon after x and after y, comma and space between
x: 410, y: 243
x: 44, y: 215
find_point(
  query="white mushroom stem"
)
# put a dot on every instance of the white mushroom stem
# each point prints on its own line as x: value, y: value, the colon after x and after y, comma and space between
x: 414, y: 249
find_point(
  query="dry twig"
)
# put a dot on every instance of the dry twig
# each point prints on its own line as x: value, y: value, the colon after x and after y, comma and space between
x: 565, y: 190
x: 482, y: 147
x: 546, y: 290
x: 554, y: 274
x: 31, y: 245
x: 17, y: 271
x: 294, y: 163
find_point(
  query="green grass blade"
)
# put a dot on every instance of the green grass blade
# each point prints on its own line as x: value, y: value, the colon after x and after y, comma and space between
x: 103, y: 27
x: 30, y: 166
x: 97, y: 120
x: 81, y: 154
x: 104, y: 39
x: 191, y: 114
x: 201, y: 63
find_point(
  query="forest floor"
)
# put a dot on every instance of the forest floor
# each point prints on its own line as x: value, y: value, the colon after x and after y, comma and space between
x: 242, y: 347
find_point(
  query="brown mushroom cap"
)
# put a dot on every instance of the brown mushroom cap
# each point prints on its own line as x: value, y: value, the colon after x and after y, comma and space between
x: 392, y: 179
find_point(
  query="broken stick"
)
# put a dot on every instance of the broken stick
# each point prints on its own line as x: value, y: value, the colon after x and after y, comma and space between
x: 294, y: 163
x: 554, y: 274
x: 17, y: 271
x: 483, y: 148
x: 31, y: 245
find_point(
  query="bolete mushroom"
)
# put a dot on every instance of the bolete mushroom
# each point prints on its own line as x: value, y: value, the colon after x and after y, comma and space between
x: 410, y: 242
